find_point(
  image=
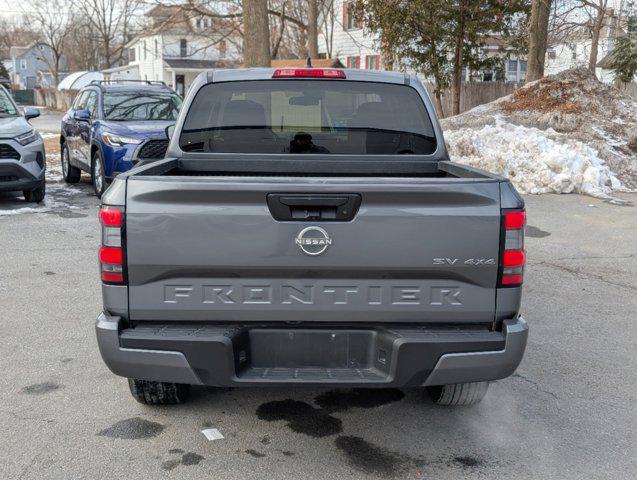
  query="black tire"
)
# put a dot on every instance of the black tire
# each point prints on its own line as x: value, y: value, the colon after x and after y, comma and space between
x: 70, y: 173
x: 458, y: 394
x: 158, y: 393
x: 37, y: 194
x: 98, y: 179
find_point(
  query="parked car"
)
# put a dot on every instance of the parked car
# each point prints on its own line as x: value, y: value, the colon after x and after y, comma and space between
x: 22, y: 156
x: 308, y: 228
x: 111, y: 125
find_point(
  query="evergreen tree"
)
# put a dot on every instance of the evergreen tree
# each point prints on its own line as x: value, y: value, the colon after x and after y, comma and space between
x: 4, y: 76
x: 623, y: 61
x: 440, y: 37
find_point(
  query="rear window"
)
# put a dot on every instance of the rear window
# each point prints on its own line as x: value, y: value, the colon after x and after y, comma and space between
x: 308, y: 116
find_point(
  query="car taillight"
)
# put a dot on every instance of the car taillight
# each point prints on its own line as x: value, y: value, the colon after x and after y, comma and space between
x: 111, y: 254
x: 513, y: 257
x: 308, y: 73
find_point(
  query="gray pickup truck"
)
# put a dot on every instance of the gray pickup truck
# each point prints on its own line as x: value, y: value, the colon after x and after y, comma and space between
x: 307, y: 228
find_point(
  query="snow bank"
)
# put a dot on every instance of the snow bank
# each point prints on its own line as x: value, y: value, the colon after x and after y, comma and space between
x: 564, y: 133
x: 536, y: 161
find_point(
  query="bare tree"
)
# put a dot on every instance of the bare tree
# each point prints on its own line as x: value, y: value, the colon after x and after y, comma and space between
x: 596, y: 10
x: 82, y: 46
x: 15, y: 32
x: 538, y: 39
x: 49, y: 18
x: 256, y: 33
x: 327, y: 23
x: 111, y: 21
x: 312, y: 28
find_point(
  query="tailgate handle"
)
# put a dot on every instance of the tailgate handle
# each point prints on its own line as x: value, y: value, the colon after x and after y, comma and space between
x: 319, y: 207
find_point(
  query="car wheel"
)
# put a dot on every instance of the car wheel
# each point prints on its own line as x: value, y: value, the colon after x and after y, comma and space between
x: 158, y: 393
x: 70, y: 173
x: 97, y: 174
x: 458, y: 394
x: 37, y: 194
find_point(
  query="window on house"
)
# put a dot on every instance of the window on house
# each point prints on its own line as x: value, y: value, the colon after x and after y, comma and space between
x: 353, y: 62
x: 156, y: 49
x: 523, y: 66
x: 352, y: 18
x: 131, y: 55
x: 223, y: 48
x: 145, y: 51
x: 23, y: 64
x: 512, y: 66
x: 183, y: 47
x: 198, y: 24
x: 574, y: 54
x: 373, y: 62
x: 552, y: 54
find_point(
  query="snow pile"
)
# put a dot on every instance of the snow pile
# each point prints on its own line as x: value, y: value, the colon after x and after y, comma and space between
x: 536, y: 161
x: 564, y: 133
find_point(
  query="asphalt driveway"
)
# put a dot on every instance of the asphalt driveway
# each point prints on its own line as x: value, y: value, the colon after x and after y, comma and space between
x: 568, y: 413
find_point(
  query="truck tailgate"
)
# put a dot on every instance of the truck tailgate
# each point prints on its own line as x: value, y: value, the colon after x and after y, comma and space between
x: 208, y: 249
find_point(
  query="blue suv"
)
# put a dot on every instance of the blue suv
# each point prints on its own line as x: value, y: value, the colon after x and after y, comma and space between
x: 112, y: 125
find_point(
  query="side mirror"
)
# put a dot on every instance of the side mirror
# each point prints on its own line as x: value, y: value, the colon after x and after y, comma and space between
x: 170, y: 131
x: 82, y: 115
x: 31, y: 112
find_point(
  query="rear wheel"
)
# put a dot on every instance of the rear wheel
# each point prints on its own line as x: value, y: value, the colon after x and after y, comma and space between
x: 97, y: 174
x: 458, y: 394
x: 70, y: 173
x: 37, y: 194
x: 158, y: 393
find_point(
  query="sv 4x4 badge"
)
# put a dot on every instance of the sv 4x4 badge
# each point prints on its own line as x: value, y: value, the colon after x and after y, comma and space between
x: 469, y: 261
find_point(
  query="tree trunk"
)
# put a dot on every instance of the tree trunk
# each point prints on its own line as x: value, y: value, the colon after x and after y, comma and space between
x: 538, y: 39
x: 256, y: 34
x: 438, y: 102
x: 597, y: 27
x: 312, y: 28
x: 456, y: 83
x: 56, y: 71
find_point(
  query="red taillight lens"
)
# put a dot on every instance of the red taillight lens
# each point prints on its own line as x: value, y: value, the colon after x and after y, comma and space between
x: 514, y: 220
x: 308, y: 73
x: 111, y: 216
x: 111, y: 254
x: 512, y: 280
x: 513, y: 256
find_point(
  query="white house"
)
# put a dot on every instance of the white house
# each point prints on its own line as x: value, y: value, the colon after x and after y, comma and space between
x: 349, y: 43
x: 575, y: 50
x: 177, y: 46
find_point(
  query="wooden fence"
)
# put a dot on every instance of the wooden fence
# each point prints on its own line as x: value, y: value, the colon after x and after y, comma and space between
x: 473, y: 94
x: 54, y: 99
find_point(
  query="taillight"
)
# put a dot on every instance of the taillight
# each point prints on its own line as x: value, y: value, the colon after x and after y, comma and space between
x: 308, y: 73
x: 513, y: 256
x: 111, y: 254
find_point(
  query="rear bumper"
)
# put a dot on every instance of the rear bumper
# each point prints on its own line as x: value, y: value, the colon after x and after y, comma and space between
x: 235, y: 355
